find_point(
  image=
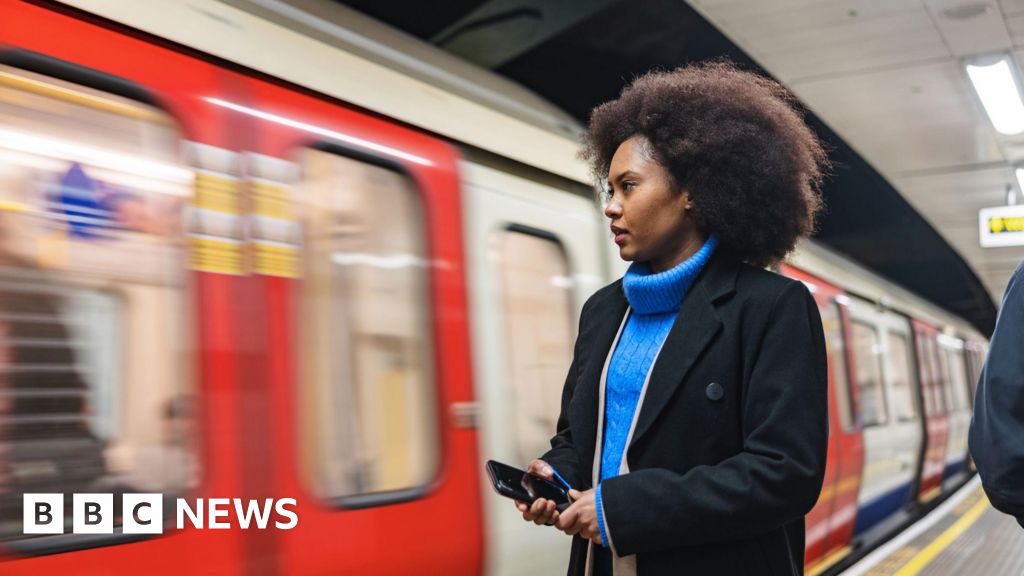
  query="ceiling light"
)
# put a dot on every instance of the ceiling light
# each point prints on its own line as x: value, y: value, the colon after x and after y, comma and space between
x: 967, y: 11
x: 995, y: 82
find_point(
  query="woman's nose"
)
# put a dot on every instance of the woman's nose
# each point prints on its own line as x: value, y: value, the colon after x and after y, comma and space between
x: 612, y: 209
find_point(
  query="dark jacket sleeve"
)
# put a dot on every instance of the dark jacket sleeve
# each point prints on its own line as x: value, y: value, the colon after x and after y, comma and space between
x: 777, y: 476
x: 997, y: 428
x: 563, y: 456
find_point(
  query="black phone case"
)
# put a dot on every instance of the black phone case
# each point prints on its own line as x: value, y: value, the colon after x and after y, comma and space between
x: 516, y: 492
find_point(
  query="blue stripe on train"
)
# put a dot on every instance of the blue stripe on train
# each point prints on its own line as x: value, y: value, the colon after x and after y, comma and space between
x: 954, y: 468
x: 880, y: 508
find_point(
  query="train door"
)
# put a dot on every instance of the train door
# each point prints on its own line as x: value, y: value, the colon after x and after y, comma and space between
x: 951, y: 362
x: 830, y: 524
x: 903, y: 386
x: 936, y: 419
x: 535, y: 257
x: 120, y: 364
x: 355, y: 242
x: 887, y: 411
x: 976, y: 355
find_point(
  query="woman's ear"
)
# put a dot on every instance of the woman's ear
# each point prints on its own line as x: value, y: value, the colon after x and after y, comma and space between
x: 687, y: 200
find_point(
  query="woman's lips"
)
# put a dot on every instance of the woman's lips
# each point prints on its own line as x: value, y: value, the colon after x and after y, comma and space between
x: 620, y: 234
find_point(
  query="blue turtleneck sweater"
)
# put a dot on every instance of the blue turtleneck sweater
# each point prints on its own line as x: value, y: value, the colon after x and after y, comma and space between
x: 654, y: 301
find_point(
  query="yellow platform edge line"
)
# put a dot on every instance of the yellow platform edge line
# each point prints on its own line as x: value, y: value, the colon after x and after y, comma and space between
x: 918, y: 562
x: 830, y: 560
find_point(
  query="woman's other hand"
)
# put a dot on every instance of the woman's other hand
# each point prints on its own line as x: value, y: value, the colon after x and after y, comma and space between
x: 581, y: 517
x: 542, y: 469
x: 542, y: 511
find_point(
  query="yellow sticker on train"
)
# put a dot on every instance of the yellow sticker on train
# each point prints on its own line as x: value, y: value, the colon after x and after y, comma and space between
x: 274, y: 259
x: 219, y: 255
x: 217, y: 193
x: 271, y: 199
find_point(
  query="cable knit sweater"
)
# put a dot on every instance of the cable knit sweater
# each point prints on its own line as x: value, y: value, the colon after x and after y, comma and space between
x: 654, y: 301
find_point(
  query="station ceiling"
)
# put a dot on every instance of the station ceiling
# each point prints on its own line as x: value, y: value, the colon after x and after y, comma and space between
x: 914, y: 155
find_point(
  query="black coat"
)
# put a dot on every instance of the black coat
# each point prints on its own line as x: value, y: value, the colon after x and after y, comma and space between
x: 998, y: 424
x: 728, y: 454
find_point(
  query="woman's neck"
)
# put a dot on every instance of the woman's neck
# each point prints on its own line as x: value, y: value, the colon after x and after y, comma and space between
x: 685, y: 249
x: 651, y: 292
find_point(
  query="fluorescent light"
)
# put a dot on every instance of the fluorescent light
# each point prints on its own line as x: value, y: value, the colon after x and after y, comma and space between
x: 999, y: 94
x: 320, y: 131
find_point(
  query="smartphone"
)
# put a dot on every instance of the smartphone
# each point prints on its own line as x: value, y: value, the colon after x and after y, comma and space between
x: 514, y: 483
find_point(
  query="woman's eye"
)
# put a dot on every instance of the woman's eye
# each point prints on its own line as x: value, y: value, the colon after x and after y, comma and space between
x: 628, y: 185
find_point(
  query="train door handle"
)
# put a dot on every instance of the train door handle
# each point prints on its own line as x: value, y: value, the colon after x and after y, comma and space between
x: 464, y: 414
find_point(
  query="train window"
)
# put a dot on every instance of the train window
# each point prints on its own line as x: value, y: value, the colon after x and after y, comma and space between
x: 938, y: 379
x: 867, y: 360
x: 927, y: 398
x: 942, y: 383
x: 538, y: 334
x: 958, y: 376
x: 971, y: 359
x: 371, y: 426
x: 931, y: 385
x: 94, y: 391
x: 939, y: 384
x: 902, y: 377
x: 981, y: 355
x: 835, y: 344
x: 975, y: 363
x: 979, y: 369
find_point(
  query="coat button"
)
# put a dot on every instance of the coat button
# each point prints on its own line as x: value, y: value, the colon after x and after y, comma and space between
x: 714, y: 391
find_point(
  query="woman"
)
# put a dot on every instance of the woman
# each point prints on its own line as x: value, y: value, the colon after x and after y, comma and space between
x: 694, y: 415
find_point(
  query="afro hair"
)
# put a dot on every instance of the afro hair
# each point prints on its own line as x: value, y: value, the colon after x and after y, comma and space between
x: 734, y: 140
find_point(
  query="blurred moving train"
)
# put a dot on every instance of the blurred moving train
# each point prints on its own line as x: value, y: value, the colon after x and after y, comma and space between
x: 261, y: 249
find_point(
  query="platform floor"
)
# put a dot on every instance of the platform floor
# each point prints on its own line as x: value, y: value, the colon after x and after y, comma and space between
x: 963, y: 536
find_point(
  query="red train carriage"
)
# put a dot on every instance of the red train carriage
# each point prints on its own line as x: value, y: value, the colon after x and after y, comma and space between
x: 262, y: 159
x: 830, y: 524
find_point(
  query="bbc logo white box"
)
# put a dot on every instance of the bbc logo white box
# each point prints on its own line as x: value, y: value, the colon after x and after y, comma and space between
x: 93, y: 514
x: 43, y: 513
x: 143, y: 514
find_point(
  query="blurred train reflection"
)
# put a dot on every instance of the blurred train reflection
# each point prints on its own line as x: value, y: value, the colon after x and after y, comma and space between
x: 90, y: 291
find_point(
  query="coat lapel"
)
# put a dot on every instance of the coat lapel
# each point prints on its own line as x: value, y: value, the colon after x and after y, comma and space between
x: 597, y: 337
x: 694, y: 328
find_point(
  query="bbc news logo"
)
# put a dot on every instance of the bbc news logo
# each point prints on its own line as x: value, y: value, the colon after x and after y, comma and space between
x: 144, y: 513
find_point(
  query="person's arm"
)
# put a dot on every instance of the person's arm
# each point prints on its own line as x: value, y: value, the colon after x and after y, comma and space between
x: 997, y: 428
x: 777, y: 477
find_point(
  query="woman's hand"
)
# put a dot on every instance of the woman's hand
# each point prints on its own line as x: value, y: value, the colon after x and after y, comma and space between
x: 581, y: 516
x: 542, y: 511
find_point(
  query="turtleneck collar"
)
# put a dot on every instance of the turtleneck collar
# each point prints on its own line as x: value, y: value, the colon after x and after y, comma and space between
x: 655, y: 293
